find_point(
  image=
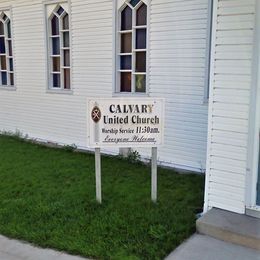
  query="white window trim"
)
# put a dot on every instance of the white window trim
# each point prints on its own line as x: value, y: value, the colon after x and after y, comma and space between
x: 53, y: 4
x: 208, y: 52
x: 206, y: 206
x: 253, y: 133
x: 118, y: 6
x: 8, y: 11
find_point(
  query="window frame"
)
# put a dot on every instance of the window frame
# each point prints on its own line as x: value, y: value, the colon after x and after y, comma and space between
x: 8, y: 12
x: 119, y: 7
x: 208, y: 59
x: 50, y: 7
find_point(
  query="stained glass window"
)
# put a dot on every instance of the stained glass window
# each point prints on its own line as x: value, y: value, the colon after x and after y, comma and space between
x: 55, y: 25
x: 134, y: 2
x: 141, y: 15
x: 126, y: 19
x: 6, y: 51
x: 132, y: 47
x: 66, y: 22
x: 59, y: 45
x: 140, y: 62
x: 125, y: 82
x: 4, y: 78
x: 60, y: 11
x: 9, y: 34
x: 2, y: 45
x: 126, y: 42
x: 126, y: 62
x: 2, y: 29
x: 56, y: 80
x: 3, y: 62
x: 66, y: 39
x: 67, y: 78
x: 140, y: 38
x: 66, y: 57
x: 56, y: 46
x: 11, y: 64
x: 140, y: 82
x: 56, y: 64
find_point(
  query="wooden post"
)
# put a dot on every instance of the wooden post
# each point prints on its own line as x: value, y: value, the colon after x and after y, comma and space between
x: 154, y: 174
x: 98, y: 175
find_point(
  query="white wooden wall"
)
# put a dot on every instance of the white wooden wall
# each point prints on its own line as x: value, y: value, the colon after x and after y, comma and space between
x: 231, y: 80
x: 178, y: 36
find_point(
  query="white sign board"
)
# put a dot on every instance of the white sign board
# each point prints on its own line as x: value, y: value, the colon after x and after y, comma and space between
x: 125, y: 122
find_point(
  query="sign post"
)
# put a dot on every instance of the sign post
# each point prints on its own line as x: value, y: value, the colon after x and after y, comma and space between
x: 124, y: 123
x: 154, y: 175
x: 98, y: 175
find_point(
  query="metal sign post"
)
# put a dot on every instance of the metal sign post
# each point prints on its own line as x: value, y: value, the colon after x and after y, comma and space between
x: 154, y: 175
x: 98, y: 175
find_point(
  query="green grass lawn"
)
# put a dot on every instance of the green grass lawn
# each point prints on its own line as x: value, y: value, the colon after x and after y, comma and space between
x: 47, y: 197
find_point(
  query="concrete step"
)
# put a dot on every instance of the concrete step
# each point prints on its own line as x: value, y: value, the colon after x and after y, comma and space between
x: 200, y: 247
x: 231, y: 227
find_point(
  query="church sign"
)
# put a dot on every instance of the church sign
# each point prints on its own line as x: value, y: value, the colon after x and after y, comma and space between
x: 125, y: 122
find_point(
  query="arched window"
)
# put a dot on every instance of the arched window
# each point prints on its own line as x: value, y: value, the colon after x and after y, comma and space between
x: 59, y: 49
x: 132, y: 47
x: 6, y: 51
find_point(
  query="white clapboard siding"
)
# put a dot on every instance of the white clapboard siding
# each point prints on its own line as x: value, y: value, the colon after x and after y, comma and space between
x: 178, y: 51
x: 177, y: 71
x: 229, y: 104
